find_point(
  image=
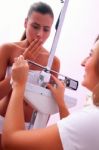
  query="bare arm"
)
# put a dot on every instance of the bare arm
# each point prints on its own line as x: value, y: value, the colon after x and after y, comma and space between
x: 5, y: 86
x: 56, y: 66
x: 58, y: 94
x: 14, y: 135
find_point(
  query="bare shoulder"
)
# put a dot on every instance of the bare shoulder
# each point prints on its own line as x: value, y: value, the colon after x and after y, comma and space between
x: 6, y: 49
x: 9, y: 50
x: 56, y: 65
x: 47, y: 53
x: 56, y: 61
x: 4, y: 58
x: 9, y: 46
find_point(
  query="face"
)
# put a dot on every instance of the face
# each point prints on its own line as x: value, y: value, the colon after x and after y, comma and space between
x: 91, y: 75
x: 38, y: 25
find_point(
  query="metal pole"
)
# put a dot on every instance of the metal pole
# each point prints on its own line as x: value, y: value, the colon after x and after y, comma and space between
x: 57, y: 34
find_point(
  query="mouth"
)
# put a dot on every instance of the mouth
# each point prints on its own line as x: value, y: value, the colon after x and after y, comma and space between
x: 83, y: 75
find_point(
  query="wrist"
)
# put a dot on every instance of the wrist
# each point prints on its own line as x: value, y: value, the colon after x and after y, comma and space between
x: 17, y: 85
x: 63, y: 110
x: 62, y: 106
x: 61, y: 103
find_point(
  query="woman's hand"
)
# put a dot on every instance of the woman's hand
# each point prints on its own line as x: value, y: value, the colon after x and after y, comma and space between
x: 33, y: 50
x: 58, y: 90
x: 58, y: 94
x: 20, y: 71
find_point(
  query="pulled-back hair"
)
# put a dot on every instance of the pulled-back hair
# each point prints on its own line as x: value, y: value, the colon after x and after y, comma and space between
x: 40, y: 7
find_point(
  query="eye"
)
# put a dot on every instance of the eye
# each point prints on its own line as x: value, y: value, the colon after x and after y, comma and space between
x: 91, y: 53
x: 35, y: 27
x: 46, y: 29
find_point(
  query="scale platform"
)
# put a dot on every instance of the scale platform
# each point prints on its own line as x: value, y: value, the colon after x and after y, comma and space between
x: 42, y: 100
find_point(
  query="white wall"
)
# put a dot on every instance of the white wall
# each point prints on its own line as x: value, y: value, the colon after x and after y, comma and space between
x: 81, y: 25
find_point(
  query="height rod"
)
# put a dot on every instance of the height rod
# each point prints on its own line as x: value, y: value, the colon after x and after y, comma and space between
x: 57, y: 34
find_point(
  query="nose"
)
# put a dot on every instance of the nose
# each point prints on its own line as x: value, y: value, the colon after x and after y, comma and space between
x: 40, y: 33
x: 84, y: 62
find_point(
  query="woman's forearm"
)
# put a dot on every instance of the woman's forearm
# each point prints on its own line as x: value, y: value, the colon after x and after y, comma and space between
x: 14, y: 116
x: 63, y: 110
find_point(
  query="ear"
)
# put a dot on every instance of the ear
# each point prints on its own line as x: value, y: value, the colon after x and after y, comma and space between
x: 25, y: 22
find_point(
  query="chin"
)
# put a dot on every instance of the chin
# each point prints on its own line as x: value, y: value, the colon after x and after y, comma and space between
x: 85, y: 84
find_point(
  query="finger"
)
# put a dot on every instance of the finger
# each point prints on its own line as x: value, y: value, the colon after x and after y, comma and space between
x: 56, y: 80
x: 19, y: 61
x: 35, y: 53
x: 21, y: 57
x: 22, y: 60
x: 49, y: 86
x: 15, y: 61
x: 32, y: 44
x: 58, y: 83
x: 36, y: 47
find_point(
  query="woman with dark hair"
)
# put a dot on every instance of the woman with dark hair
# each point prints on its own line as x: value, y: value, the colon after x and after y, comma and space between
x: 37, y: 28
x: 37, y: 25
x: 41, y: 8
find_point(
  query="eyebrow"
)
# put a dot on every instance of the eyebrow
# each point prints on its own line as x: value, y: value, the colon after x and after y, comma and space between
x: 39, y: 25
